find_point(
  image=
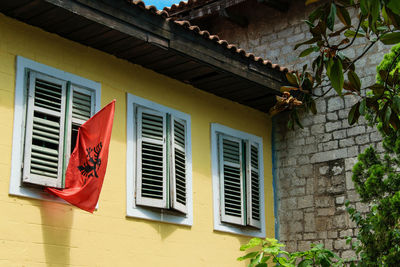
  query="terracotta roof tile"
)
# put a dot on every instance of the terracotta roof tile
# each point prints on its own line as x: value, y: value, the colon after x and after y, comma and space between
x: 205, y: 34
x: 186, y: 5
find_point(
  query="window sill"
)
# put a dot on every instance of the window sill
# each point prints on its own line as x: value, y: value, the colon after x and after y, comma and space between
x: 159, y: 216
x: 239, y: 230
x: 35, y: 193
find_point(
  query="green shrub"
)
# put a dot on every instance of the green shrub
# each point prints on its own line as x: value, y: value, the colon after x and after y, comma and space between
x: 270, y: 251
x: 377, y: 181
x: 387, y: 62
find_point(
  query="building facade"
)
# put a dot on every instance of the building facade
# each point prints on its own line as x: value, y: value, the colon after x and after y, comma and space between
x: 192, y: 139
x: 313, y: 165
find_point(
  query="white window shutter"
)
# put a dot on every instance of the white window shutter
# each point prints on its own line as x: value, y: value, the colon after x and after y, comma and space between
x: 231, y: 180
x: 151, y: 189
x: 43, y: 155
x: 80, y: 107
x: 178, y: 165
x: 253, y: 185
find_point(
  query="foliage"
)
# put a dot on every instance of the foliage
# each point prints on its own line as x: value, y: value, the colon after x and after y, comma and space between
x: 376, y: 21
x: 377, y: 181
x: 271, y: 251
x: 376, y: 177
x: 386, y: 62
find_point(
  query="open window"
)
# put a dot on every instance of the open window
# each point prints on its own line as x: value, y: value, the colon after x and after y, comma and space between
x: 50, y: 105
x: 159, y: 162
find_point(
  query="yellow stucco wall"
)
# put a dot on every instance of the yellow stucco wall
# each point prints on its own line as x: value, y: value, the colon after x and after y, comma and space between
x: 40, y: 233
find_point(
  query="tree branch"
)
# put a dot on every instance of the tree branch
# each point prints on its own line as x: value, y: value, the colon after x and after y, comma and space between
x: 355, y: 36
x: 362, y: 54
x: 323, y: 94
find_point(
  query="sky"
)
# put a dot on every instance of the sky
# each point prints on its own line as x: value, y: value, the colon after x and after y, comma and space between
x: 160, y: 4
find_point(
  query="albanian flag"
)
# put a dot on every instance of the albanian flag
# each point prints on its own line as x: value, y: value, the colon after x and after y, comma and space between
x: 88, y: 162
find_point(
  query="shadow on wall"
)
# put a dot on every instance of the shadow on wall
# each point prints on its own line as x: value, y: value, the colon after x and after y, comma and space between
x: 56, y: 231
x: 164, y: 229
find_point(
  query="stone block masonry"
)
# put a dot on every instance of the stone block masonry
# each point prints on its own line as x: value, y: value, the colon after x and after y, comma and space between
x: 313, y: 164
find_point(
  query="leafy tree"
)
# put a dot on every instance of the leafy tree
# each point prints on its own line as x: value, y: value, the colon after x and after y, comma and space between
x: 376, y: 21
x: 387, y: 61
x: 376, y: 177
x: 377, y: 181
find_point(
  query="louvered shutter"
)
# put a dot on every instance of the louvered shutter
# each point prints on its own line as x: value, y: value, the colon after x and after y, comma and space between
x: 232, y: 191
x: 253, y: 186
x: 178, y: 165
x: 44, y: 135
x: 82, y: 105
x: 80, y: 108
x: 151, y: 189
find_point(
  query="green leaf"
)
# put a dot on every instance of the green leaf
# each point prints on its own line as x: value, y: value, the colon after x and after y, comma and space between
x: 310, y: 24
x: 291, y: 77
x: 394, y: 121
x: 394, y: 18
x: 305, y: 263
x: 248, y: 256
x: 316, y: 14
x: 375, y: 7
x: 319, y: 29
x: 265, y: 259
x: 330, y: 20
x: 388, y: 113
x: 311, y: 41
x: 309, y: 51
x: 363, y: 106
x: 344, y: 16
x: 396, y: 103
x: 282, y: 260
x: 377, y: 89
x: 354, y: 79
x: 271, y: 250
x: 394, y: 5
x: 390, y: 38
x: 351, y: 33
x: 354, y: 114
x: 385, y: 16
x: 313, y: 107
x: 296, y: 118
x: 339, y: 32
x: 259, y: 257
x: 335, y: 74
x: 364, y: 7
x: 381, y: 28
x: 252, y: 243
x: 263, y: 264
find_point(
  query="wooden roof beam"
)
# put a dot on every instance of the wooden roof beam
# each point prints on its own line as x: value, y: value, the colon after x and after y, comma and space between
x: 131, y: 20
x: 280, y: 5
x: 206, y: 10
x: 240, y: 20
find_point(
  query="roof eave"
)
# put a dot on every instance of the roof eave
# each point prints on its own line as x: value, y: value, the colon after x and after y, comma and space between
x: 153, y: 29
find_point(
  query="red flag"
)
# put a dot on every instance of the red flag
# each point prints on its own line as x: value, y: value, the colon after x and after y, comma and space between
x: 88, y: 162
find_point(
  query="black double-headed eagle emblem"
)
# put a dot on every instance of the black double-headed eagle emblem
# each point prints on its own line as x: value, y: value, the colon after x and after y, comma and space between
x: 92, y: 164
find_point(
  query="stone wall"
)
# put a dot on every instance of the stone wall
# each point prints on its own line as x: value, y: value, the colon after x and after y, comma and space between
x: 313, y: 164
